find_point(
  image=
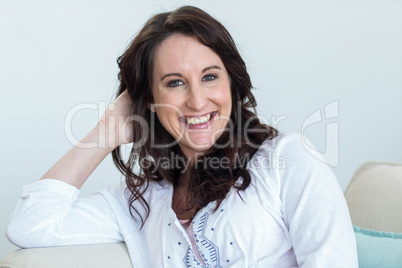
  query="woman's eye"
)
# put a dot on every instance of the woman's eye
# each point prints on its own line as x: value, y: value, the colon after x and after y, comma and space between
x: 174, y: 83
x: 210, y: 77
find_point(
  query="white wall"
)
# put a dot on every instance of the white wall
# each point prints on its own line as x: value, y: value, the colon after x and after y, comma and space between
x: 302, y: 56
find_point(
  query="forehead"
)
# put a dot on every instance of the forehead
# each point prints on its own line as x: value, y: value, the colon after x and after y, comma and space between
x: 181, y: 53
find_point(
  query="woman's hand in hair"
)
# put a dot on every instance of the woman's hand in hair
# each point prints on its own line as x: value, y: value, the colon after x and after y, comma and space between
x: 112, y: 130
x: 116, y: 122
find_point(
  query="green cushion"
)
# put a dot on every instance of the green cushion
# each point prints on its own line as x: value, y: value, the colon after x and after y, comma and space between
x: 378, y: 249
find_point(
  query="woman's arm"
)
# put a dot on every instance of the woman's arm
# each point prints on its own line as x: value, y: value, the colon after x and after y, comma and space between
x: 304, y: 191
x: 77, y: 164
x: 112, y: 130
x: 49, y: 212
x: 314, y: 209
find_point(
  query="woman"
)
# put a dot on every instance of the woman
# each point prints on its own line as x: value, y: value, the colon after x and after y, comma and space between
x: 213, y: 187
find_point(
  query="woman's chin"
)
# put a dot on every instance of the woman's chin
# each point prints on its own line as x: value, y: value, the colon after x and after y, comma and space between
x: 201, y: 145
x: 198, y: 146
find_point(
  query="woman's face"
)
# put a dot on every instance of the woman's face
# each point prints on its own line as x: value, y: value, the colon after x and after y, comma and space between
x: 191, y: 90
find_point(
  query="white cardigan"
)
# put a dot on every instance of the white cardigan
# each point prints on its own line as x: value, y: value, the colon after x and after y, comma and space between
x: 293, y: 214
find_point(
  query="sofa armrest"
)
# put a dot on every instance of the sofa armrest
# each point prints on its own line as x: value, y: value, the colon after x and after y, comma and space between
x: 100, y: 255
x: 374, y: 197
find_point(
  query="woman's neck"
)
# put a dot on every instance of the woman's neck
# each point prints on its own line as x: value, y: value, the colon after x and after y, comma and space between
x: 180, y: 204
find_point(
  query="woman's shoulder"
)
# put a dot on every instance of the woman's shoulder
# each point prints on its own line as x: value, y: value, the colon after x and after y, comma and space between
x: 288, y: 159
x: 121, y: 190
x: 283, y: 140
x: 292, y: 146
x: 284, y: 145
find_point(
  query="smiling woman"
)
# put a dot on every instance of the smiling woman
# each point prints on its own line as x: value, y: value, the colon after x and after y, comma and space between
x: 199, y: 89
x: 209, y: 191
x: 197, y: 85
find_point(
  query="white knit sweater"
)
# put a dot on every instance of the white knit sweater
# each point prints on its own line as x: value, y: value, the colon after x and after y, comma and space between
x: 292, y: 215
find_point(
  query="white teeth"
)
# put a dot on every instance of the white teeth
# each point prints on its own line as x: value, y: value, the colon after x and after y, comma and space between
x: 196, y: 121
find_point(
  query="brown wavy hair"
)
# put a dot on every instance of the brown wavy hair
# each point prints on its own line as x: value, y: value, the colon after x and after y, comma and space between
x: 208, y: 183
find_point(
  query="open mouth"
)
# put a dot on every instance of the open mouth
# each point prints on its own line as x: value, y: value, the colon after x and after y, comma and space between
x: 197, y: 120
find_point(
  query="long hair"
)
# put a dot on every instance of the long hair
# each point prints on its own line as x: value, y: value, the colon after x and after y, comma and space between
x: 236, y: 144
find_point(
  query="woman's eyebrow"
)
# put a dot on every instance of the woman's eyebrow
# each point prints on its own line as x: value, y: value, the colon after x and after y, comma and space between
x: 211, y: 67
x: 171, y: 74
x: 203, y: 71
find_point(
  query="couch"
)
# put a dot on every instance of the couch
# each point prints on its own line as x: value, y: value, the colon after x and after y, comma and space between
x: 374, y: 198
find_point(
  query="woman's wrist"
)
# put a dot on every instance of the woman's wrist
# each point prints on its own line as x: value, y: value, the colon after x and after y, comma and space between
x: 100, y: 138
x: 78, y: 163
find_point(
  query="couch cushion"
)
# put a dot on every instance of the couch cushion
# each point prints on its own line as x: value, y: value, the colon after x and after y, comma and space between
x: 378, y: 249
x: 374, y: 196
x: 100, y: 255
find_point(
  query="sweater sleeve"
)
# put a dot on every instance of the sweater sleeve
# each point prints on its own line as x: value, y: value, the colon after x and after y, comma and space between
x: 49, y: 213
x: 314, y: 208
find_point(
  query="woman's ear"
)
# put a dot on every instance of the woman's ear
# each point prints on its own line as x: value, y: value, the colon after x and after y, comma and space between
x: 151, y: 107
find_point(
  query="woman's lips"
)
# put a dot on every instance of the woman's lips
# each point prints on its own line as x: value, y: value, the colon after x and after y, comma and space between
x: 197, y: 122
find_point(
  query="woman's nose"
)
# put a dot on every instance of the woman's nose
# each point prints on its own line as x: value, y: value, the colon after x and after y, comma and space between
x: 197, y: 98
